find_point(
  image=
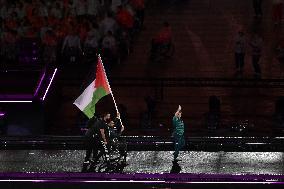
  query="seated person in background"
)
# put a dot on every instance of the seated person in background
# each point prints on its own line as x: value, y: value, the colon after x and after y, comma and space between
x: 125, y: 19
x: 71, y: 47
x: 163, y: 38
x: 108, y: 24
x: 49, y: 42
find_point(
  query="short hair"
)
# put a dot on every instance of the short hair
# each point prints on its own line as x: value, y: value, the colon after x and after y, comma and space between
x: 105, y: 114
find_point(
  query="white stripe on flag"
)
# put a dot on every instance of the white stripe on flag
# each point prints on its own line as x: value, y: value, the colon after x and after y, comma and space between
x: 86, y: 97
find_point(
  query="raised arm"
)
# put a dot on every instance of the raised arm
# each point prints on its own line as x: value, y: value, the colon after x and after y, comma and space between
x: 178, y: 110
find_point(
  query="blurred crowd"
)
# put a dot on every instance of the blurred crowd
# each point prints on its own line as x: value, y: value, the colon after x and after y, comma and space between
x: 68, y: 30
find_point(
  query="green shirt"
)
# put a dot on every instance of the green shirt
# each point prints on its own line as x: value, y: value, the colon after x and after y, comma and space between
x: 178, y: 126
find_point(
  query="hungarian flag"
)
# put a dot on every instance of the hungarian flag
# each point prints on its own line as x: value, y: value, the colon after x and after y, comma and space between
x: 99, y: 88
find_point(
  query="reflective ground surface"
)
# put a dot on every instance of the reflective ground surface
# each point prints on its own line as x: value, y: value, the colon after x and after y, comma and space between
x: 148, y: 162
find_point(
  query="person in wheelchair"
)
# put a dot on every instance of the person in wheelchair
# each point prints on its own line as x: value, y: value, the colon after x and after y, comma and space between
x: 97, y: 140
x: 162, y: 40
x: 116, y: 143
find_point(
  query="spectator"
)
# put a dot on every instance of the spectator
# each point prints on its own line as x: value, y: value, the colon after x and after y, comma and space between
x: 10, y: 40
x: 4, y: 10
x: 256, y: 48
x: 29, y: 10
x: 44, y: 28
x: 124, y: 18
x: 162, y: 38
x: 109, y: 50
x: 92, y: 42
x: 70, y: 9
x: 277, y: 11
x: 108, y: 24
x: 23, y: 28
x: 20, y: 10
x: 56, y: 11
x: 83, y: 28
x: 11, y: 22
x: 71, y: 47
x: 81, y: 9
x: 139, y: 7
x: 109, y: 42
x: 32, y: 32
x: 115, y: 4
x: 60, y: 32
x: 92, y: 9
x: 36, y: 20
x: 240, y: 44
x: 49, y: 43
x: 42, y: 10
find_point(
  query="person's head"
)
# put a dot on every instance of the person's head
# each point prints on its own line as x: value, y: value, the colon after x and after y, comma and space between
x: 111, y: 124
x: 179, y: 114
x: 106, y: 116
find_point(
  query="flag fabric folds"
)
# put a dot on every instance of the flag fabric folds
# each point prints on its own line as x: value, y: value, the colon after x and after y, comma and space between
x: 99, y: 88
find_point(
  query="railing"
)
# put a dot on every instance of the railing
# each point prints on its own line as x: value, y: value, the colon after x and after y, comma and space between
x: 146, y: 143
x: 160, y: 83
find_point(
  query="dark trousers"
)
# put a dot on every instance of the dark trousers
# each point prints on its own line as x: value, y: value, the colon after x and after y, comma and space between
x: 255, y: 63
x: 179, y: 143
x: 257, y: 5
x: 240, y: 61
x: 92, y: 148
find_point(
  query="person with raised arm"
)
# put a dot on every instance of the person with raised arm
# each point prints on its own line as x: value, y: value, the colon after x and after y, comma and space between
x: 178, y: 133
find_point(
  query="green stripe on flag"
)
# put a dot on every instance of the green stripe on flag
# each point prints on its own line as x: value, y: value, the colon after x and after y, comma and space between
x: 91, y: 108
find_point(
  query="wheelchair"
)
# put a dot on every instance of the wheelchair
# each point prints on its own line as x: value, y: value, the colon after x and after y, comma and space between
x: 112, y: 157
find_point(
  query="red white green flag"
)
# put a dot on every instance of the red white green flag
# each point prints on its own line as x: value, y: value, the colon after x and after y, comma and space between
x: 99, y: 88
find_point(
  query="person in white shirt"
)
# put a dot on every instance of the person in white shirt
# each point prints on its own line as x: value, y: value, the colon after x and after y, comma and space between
x: 4, y: 11
x: 115, y: 4
x: 20, y: 10
x: 71, y: 47
x: 81, y: 8
x: 91, y: 43
x: 92, y: 8
x: 56, y: 11
x: 108, y: 24
x: 109, y: 42
x: 42, y: 10
x: 109, y: 50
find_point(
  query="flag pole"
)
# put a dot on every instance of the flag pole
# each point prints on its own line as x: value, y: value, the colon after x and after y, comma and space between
x: 110, y: 90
